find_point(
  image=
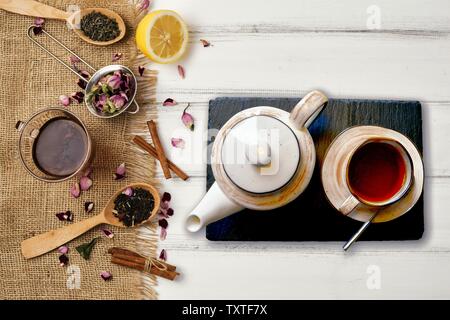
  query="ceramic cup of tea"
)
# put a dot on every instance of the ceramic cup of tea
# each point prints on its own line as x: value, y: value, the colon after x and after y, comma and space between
x: 54, y: 145
x: 379, y: 172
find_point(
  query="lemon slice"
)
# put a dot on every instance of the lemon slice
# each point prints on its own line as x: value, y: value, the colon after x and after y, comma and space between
x: 162, y: 36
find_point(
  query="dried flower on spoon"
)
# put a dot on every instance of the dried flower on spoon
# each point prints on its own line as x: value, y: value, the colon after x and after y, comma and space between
x: 132, y: 208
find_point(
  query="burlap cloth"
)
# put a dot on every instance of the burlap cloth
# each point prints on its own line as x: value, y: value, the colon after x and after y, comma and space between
x: 30, y: 81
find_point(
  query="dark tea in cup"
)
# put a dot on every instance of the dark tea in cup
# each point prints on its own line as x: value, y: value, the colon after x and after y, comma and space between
x: 379, y: 172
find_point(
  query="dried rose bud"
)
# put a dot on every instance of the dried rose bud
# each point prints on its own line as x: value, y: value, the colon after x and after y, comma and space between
x: 128, y: 191
x: 163, y: 255
x: 63, y: 260
x: 205, y: 43
x: 163, y: 223
x: 73, y: 59
x: 75, y: 190
x: 118, y: 100
x: 64, y: 100
x: 106, y: 275
x: 141, y: 70
x: 65, y: 216
x: 121, y: 169
x: 81, y: 84
x: 166, y: 197
x: 85, y: 183
x: 143, y: 5
x: 107, y: 233
x: 114, y: 82
x: 169, y: 102
x: 63, y: 249
x: 170, y: 212
x: 88, y: 206
x: 37, y: 30
x: 187, y: 119
x: 177, y: 143
x: 39, y: 22
x: 116, y: 57
x: 77, y: 96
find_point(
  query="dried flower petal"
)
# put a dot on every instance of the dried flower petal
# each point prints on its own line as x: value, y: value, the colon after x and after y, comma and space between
x: 118, y: 177
x: 106, y: 275
x: 82, y: 84
x: 77, y: 96
x: 143, y: 5
x: 75, y: 190
x: 163, y: 223
x: 163, y: 234
x: 107, y: 233
x: 65, y: 216
x: 163, y: 255
x: 121, y: 169
x: 63, y: 260
x: 88, y: 206
x: 116, y: 57
x: 85, y: 249
x: 141, y: 70
x: 118, y: 100
x: 178, y: 143
x: 85, y: 183
x: 170, y: 212
x: 169, y: 102
x: 37, y: 30
x: 73, y: 59
x: 39, y: 22
x: 84, y: 74
x: 88, y: 172
x: 187, y: 119
x: 181, y: 72
x: 64, y: 100
x: 114, y: 82
x: 166, y: 197
x: 63, y: 249
x: 128, y: 191
x: 205, y: 43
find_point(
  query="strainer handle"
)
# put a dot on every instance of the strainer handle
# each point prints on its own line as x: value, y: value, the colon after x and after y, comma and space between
x: 30, y: 35
x: 136, y: 106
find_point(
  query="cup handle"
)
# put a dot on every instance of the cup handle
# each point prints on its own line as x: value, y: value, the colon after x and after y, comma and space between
x: 349, y: 205
x: 136, y: 108
x: 308, y: 109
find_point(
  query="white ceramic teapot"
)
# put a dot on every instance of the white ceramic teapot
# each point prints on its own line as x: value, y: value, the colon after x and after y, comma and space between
x: 262, y: 158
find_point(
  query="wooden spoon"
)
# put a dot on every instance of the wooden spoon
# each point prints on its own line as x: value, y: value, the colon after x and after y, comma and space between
x: 53, y: 239
x: 37, y: 9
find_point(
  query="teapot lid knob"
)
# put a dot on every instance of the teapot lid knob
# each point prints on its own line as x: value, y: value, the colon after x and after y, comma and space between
x: 258, y: 154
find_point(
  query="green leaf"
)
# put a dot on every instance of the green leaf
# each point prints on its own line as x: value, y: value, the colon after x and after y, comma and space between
x: 85, y: 249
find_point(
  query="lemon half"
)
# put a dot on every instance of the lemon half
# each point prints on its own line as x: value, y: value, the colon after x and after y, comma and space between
x: 162, y: 36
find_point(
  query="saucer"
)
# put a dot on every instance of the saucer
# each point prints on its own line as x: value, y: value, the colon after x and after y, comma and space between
x: 334, y: 173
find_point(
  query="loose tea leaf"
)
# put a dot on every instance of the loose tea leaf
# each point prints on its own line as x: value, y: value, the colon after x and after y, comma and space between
x: 85, y: 249
x: 135, y: 208
x: 99, y: 27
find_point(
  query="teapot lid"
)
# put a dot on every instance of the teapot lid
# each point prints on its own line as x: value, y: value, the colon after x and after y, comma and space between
x: 260, y: 154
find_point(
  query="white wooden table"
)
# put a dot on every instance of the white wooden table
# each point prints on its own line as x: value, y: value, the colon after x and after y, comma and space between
x: 286, y: 48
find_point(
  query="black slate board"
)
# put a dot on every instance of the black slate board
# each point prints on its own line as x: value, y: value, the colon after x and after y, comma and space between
x: 310, y: 217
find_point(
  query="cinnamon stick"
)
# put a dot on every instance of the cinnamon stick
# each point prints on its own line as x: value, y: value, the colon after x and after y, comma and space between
x: 152, y: 151
x: 141, y: 267
x: 134, y: 256
x: 159, y: 149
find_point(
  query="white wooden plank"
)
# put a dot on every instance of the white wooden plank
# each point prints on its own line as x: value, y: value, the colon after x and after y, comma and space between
x: 252, y: 16
x: 281, y: 275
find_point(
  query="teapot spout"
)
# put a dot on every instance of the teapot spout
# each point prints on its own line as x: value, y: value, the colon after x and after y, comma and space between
x: 214, y: 206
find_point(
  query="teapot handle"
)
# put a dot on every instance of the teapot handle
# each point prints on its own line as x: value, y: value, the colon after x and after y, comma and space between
x: 308, y: 109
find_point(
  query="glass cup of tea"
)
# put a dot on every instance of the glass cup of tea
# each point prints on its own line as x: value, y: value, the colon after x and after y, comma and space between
x: 54, y: 145
x: 379, y: 173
